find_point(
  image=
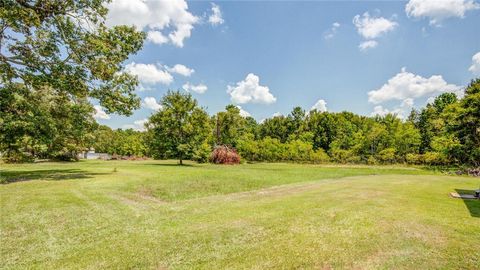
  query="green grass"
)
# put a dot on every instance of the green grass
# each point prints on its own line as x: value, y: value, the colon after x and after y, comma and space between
x: 156, y: 215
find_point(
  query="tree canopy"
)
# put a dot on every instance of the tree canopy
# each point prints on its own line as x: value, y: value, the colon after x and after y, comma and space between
x: 55, y: 58
x: 180, y: 130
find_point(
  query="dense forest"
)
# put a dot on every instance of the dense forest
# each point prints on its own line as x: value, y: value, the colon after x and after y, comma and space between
x: 445, y: 132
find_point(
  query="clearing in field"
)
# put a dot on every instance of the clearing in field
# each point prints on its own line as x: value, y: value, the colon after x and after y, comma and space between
x: 151, y: 215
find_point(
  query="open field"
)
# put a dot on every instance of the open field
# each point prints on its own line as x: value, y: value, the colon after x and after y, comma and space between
x: 156, y: 215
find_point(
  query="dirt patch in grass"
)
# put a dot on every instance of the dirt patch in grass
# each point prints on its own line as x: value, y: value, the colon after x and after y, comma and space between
x: 146, y: 193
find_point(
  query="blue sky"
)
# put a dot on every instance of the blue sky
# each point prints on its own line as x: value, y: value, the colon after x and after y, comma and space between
x: 298, y: 53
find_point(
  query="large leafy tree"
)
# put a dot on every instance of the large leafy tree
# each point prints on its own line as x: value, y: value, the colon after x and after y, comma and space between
x: 229, y: 126
x: 42, y: 123
x: 65, y: 48
x: 465, y: 123
x: 180, y: 129
x: 276, y: 127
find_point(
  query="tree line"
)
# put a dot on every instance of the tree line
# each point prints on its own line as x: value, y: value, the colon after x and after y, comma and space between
x: 48, y: 125
x: 52, y: 66
x: 445, y: 132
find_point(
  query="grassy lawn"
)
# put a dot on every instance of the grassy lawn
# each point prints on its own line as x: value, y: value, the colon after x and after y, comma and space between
x: 156, y: 215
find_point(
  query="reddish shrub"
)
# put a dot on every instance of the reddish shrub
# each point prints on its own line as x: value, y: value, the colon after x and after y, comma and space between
x: 223, y: 154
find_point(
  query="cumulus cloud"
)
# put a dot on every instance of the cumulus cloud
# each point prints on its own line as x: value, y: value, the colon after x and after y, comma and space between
x: 401, y: 111
x: 149, y: 73
x: 151, y: 103
x: 475, y: 67
x: 368, y: 44
x: 100, y: 113
x: 243, y: 113
x: 250, y: 91
x: 138, y: 125
x: 438, y: 10
x: 199, y: 88
x: 406, y: 85
x: 156, y: 37
x: 216, y: 17
x: 181, y: 69
x: 320, y: 106
x: 163, y: 20
x: 142, y: 87
x: 407, y: 103
x: 379, y: 110
x: 372, y: 27
x: 332, y: 31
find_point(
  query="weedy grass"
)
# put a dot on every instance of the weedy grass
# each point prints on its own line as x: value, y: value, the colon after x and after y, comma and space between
x: 157, y: 215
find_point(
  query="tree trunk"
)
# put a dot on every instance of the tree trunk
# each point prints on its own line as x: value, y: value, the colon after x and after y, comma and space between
x: 181, y: 161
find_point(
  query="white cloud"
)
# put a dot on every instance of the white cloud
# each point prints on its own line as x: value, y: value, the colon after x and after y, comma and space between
x: 181, y: 69
x: 156, y: 37
x: 332, y: 31
x: 407, y: 103
x: 475, y: 67
x: 379, y: 110
x: 216, y: 17
x: 151, y: 103
x: 243, y: 113
x: 406, y: 85
x: 149, y: 73
x: 320, y: 106
x: 199, y: 88
x: 138, y: 125
x: 372, y: 27
x: 142, y: 88
x: 439, y: 10
x: 277, y: 114
x: 399, y: 112
x: 168, y: 18
x: 369, y: 44
x: 100, y: 113
x: 249, y: 90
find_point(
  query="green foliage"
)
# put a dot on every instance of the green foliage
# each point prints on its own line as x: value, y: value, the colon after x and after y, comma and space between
x: 55, y: 58
x: 229, y: 126
x: 433, y: 158
x: 69, y: 48
x: 344, y: 156
x: 387, y: 155
x: 202, y: 153
x: 42, y: 123
x: 466, y: 124
x: 179, y: 128
x: 414, y: 159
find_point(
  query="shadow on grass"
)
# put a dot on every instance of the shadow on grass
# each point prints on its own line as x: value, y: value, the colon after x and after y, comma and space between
x: 7, y: 177
x: 473, y: 205
x: 170, y: 164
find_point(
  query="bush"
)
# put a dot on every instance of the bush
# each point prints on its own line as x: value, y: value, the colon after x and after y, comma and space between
x: 319, y: 156
x: 224, y: 155
x: 387, y: 155
x: 372, y: 160
x: 434, y: 158
x: 201, y: 154
x: 17, y: 157
x: 344, y: 156
x: 414, y: 158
